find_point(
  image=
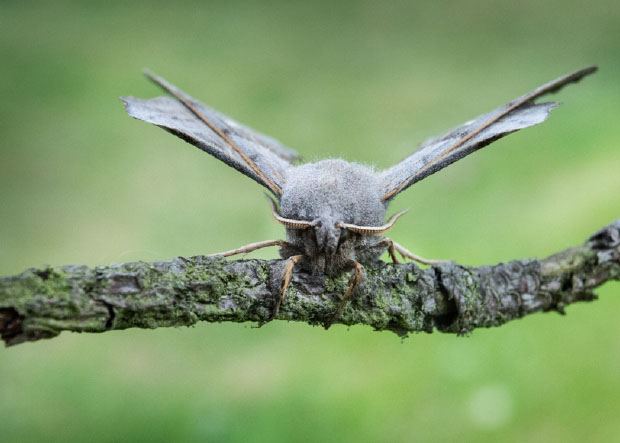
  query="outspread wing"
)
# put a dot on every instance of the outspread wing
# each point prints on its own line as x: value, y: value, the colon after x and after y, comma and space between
x: 258, y: 156
x: 439, y: 152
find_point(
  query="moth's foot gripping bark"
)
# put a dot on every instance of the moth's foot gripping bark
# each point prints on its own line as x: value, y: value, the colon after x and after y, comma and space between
x: 286, y: 281
x: 353, y: 282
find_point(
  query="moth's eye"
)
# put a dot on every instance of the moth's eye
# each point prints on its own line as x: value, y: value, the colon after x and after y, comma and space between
x: 371, y: 230
x: 318, y: 223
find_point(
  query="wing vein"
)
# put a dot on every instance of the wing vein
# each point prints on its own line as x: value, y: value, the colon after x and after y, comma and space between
x: 163, y: 84
x: 552, y: 86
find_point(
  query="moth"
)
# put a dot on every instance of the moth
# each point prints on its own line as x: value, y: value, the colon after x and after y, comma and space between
x: 333, y: 210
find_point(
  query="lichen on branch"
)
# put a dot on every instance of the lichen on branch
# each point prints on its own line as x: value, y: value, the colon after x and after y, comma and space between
x: 41, y: 303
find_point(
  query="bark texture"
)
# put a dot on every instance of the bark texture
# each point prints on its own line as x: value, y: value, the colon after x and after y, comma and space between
x: 41, y: 303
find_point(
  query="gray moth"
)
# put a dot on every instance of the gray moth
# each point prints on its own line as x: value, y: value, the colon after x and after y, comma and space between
x: 333, y: 211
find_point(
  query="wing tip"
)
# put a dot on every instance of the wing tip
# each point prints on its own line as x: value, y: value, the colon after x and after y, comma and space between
x: 150, y: 74
x: 128, y: 102
x: 161, y: 82
x: 133, y: 107
x: 584, y: 72
x: 556, y: 85
x: 551, y: 105
x: 589, y: 70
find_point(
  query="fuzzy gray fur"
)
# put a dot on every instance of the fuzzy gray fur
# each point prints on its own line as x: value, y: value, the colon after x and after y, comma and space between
x: 332, y: 191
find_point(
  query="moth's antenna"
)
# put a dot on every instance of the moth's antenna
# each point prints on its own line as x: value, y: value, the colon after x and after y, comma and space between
x: 547, y: 88
x: 288, y: 222
x: 179, y: 95
x: 372, y: 230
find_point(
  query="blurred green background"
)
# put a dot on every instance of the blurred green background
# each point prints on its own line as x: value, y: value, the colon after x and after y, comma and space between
x: 83, y: 183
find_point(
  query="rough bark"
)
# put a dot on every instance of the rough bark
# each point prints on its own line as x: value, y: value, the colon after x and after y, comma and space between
x: 41, y: 303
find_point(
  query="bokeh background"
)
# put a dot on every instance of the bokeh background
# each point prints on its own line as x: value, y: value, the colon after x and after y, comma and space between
x: 82, y: 183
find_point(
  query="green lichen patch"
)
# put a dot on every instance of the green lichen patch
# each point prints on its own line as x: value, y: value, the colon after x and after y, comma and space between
x: 402, y: 298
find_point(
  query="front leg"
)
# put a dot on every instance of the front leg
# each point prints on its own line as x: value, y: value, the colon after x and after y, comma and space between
x: 405, y: 253
x: 251, y: 247
x: 288, y: 268
x: 286, y: 281
x: 391, y: 248
x: 353, y: 282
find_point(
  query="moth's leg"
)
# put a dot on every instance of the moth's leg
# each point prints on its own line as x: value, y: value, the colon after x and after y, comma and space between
x: 391, y: 248
x: 408, y: 254
x: 251, y: 247
x: 286, y: 280
x: 353, y: 282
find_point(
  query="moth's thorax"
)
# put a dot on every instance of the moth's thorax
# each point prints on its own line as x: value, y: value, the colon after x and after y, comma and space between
x: 332, y: 191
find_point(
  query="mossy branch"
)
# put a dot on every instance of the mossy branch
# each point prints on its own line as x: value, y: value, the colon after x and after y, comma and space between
x: 40, y: 303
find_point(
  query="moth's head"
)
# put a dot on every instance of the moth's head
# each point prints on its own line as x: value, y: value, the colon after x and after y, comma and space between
x: 329, y: 233
x: 333, y: 198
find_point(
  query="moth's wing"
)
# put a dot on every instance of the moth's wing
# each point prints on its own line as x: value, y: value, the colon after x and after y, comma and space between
x: 258, y: 156
x: 439, y: 152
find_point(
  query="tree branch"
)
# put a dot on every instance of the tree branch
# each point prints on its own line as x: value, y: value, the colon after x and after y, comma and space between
x: 40, y: 303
